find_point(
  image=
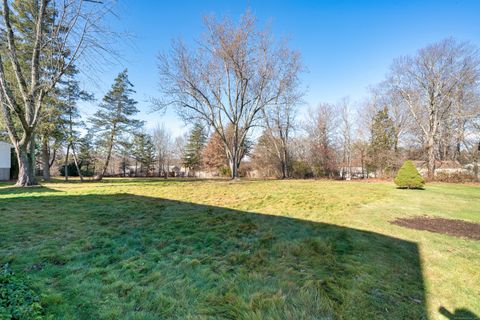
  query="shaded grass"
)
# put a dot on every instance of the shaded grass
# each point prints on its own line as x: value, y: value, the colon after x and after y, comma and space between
x: 149, y: 249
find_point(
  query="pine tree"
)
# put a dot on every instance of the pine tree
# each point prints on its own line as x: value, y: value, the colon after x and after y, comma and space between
x: 124, y: 150
x: 143, y: 151
x: 114, y: 115
x: 192, y: 158
x: 86, y: 154
x: 382, y: 141
x: 69, y: 95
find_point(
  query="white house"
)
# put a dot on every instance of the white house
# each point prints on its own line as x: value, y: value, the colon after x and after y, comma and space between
x: 5, y: 160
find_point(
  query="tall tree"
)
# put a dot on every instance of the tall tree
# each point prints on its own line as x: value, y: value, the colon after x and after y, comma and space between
x: 125, y: 150
x: 279, y: 122
x: 322, y: 130
x: 41, y: 41
x: 236, y: 72
x: 430, y: 84
x: 382, y: 141
x: 164, y: 147
x: 69, y: 96
x: 385, y: 95
x: 143, y: 151
x: 86, y: 154
x: 192, y: 158
x: 114, y: 116
x: 346, y: 129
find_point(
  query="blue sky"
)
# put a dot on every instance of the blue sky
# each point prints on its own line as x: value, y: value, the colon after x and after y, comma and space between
x: 346, y: 45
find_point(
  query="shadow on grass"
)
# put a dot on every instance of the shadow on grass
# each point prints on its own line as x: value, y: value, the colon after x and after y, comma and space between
x: 12, y: 190
x: 135, y: 180
x: 459, y: 314
x: 134, y: 257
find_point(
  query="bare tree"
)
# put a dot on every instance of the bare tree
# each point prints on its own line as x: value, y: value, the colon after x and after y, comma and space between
x: 41, y: 41
x: 322, y: 130
x: 381, y: 96
x: 164, y: 147
x: 236, y: 72
x: 471, y: 143
x: 430, y: 85
x: 279, y: 120
x: 346, y: 129
x: 459, y: 127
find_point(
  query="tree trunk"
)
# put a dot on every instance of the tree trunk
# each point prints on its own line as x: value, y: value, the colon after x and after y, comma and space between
x: 475, y: 171
x: 285, y: 172
x: 475, y: 162
x: 76, y: 162
x: 234, y: 166
x: 45, y: 159
x: 109, y: 154
x: 431, y: 158
x: 105, y: 166
x: 26, y: 165
x: 66, y: 163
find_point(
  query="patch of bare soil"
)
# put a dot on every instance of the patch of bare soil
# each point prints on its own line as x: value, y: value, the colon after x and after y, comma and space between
x: 451, y: 227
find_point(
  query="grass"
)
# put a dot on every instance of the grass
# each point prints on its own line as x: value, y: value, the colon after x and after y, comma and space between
x: 155, y: 249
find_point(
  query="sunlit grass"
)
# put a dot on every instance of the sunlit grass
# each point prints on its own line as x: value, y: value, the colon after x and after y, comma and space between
x: 156, y: 249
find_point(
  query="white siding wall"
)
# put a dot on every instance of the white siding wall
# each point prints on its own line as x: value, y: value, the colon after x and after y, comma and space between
x: 5, y: 155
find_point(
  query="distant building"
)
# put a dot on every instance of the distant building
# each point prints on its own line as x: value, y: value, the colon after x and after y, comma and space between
x: 5, y: 160
x: 442, y: 167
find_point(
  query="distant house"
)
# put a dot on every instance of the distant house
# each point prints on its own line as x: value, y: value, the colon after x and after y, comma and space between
x: 444, y: 167
x: 175, y: 171
x: 356, y: 170
x: 5, y: 160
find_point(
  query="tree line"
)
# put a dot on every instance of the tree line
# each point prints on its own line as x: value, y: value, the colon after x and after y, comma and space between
x: 239, y: 89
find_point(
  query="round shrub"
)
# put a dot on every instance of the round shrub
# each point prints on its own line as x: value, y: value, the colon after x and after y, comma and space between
x: 408, y: 177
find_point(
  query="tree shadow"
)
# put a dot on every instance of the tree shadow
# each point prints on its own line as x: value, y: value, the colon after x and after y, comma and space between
x: 459, y: 314
x: 134, y: 180
x: 135, y: 257
x: 9, y: 189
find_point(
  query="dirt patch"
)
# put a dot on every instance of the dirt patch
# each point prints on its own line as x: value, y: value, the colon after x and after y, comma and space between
x: 451, y: 227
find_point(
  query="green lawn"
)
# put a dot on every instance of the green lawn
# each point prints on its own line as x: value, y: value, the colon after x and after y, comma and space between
x: 156, y: 249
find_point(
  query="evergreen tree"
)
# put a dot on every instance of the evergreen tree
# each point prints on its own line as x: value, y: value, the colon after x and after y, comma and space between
x: 143, y: 151
x: 408, y: 177
x: 124, y: 149
x: 192, y: 158
x: 382, y: 142
x: 71, y: 119
x: 114, y: 116
x: 86, y: 154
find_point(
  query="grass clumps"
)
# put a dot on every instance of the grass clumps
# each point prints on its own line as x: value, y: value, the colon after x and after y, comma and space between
x: 292, y: 249
x: 17, y: 299
x: 408, y: 177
